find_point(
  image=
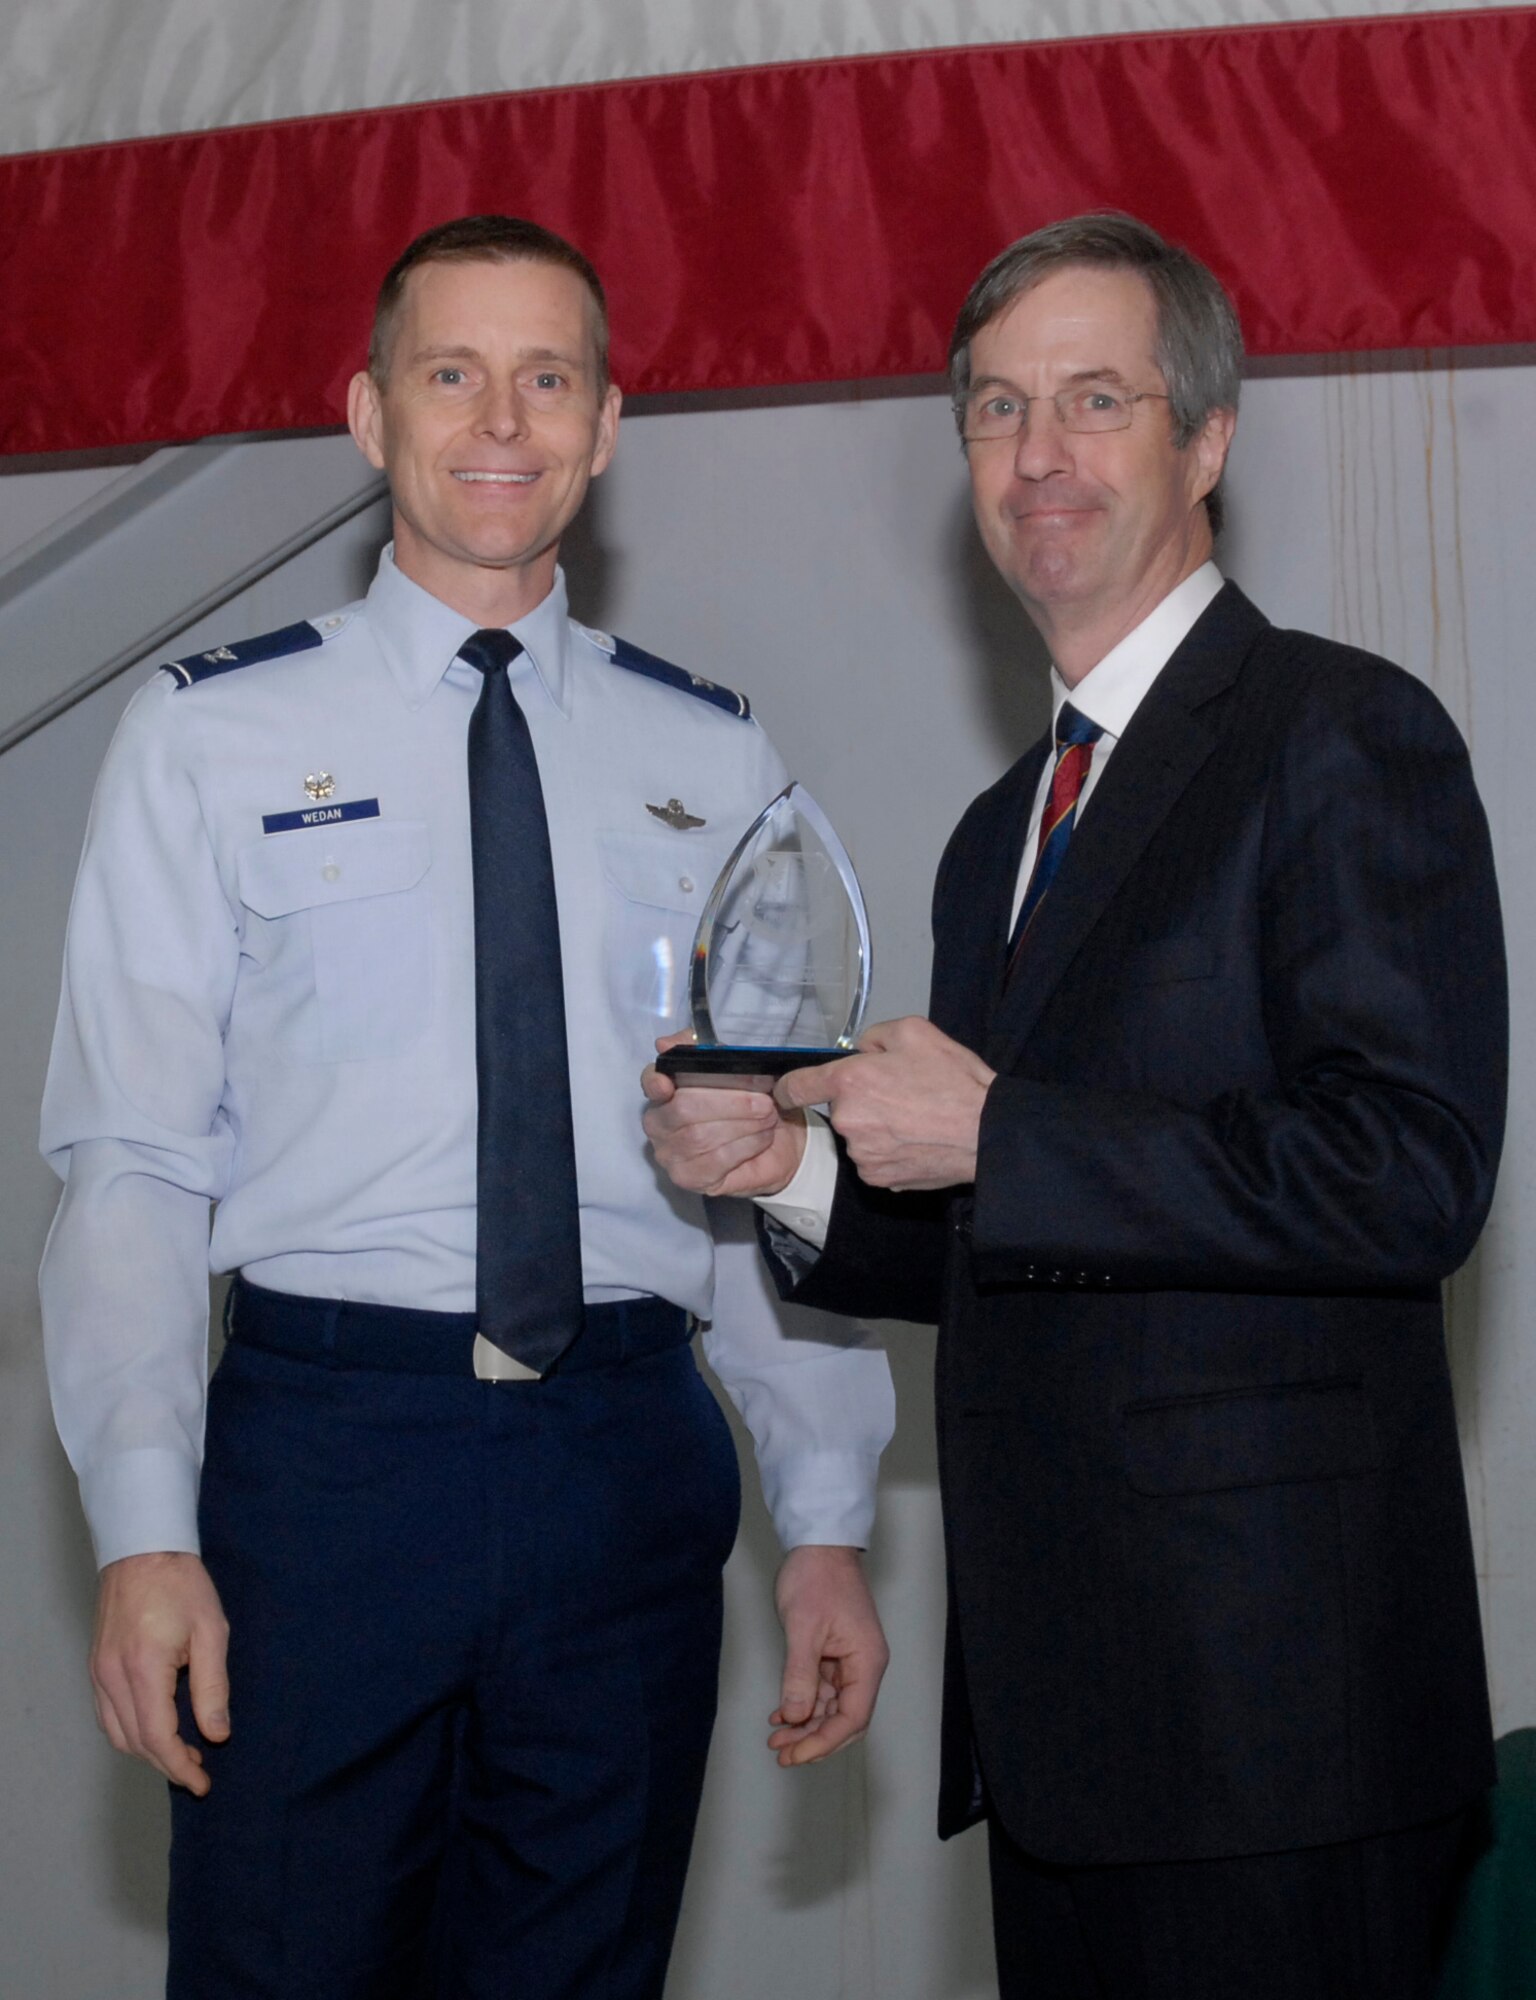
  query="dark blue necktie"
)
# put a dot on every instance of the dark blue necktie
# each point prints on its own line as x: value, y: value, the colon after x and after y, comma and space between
x: 528, y: 1237
x: 1075, y: 738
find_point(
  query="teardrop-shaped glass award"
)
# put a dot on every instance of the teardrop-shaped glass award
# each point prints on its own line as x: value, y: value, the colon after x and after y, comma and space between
x: 780, y: 970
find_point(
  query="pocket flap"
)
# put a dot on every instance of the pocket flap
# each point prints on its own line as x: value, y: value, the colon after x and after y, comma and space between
x: 1251, y: 1437
x: 302, y: 870
x: 668, y: 872
x: 1169, y: 960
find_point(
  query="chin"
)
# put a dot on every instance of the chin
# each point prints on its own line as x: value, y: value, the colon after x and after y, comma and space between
x: 499, y: 551
x: 1052, y: 579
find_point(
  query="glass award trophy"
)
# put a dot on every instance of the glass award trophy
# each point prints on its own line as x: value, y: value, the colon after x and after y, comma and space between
x: 779, y: 977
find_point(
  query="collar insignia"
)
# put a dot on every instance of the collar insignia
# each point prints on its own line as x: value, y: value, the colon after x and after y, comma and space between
x: 674, y: 814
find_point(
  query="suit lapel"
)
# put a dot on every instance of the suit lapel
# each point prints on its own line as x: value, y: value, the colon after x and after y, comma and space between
x: 973, y: 915
x: 1164, y: 746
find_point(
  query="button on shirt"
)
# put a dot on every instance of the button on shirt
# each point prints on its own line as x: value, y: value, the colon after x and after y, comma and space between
x: 1109, y: 694
x: 282, y: 1022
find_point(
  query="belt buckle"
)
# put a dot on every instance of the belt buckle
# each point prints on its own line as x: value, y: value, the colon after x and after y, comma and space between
x: 494, y: 1364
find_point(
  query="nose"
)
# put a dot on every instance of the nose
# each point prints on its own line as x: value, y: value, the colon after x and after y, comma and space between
x: 1043, y: 445
x: 502, y: 414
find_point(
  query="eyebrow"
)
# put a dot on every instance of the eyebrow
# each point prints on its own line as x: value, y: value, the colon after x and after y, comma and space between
x: 1078, y: 376
x: 552, y: 354
x: 527, y: 354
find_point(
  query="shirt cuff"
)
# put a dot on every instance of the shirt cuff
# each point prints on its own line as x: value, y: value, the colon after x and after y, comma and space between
x: 141, y: 1503
x: 825, y: 1498
x: 804, y: 1204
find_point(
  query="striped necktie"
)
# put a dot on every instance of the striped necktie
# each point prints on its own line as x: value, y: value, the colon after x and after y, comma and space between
x: 528, y: 1296
x: 1075, y: 738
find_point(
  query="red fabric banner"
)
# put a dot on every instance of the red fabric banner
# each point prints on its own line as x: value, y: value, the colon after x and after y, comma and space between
x: 1359, y: 184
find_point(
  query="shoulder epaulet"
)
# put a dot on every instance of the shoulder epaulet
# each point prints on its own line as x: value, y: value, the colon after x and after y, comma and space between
x: 224, y: 659
x: 623, y: 654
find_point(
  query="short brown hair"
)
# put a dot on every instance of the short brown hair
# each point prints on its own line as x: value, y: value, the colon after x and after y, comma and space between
x: 1199, y: 341
x: 483, y: 239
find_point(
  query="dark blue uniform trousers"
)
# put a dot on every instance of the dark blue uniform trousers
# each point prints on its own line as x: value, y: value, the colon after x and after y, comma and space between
x: 474, y: 1642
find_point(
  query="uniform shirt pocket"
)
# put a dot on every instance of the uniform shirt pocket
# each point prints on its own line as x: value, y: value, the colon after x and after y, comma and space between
x: 656, y: 888
x: 342, y: 936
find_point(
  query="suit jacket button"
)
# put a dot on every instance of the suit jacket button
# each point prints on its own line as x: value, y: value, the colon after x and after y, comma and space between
x: 1058, y: 1277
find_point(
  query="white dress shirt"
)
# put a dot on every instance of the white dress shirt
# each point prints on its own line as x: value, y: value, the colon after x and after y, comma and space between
x: 1109, y: 694
x: 280, y: 1020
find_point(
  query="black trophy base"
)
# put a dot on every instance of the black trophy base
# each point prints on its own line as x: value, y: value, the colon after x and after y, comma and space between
x: 738, y: 1069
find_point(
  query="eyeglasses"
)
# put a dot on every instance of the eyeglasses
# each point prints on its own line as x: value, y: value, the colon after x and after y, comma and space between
x: 994, y: 414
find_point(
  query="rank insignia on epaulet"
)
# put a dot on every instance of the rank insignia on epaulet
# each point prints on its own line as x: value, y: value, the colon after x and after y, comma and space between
x: 640, y: 662
x: 224, y: 659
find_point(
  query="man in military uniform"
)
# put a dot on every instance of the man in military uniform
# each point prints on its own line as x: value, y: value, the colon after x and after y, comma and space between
x: 376, y: 918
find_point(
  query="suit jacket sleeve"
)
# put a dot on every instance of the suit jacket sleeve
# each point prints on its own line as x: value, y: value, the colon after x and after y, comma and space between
x: 1369, y: 1163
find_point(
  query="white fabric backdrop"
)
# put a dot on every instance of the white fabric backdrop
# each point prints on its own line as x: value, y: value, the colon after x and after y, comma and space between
x: 76, y: 71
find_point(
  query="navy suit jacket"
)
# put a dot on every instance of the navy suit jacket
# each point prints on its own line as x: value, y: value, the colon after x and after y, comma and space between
x: 1211, y: 1581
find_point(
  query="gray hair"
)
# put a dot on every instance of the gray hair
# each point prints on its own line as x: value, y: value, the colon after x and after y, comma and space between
x: 1199, y: 344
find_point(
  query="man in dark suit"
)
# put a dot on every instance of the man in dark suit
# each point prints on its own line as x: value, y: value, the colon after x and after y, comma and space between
x: 1210, y: 1102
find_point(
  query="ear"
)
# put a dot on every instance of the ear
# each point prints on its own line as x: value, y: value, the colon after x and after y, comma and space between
x: 607, y: 429
x: 1208, y: 451
x: 365, y: 417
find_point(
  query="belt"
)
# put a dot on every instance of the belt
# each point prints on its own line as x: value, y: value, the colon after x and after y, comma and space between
x: 401, y: 1340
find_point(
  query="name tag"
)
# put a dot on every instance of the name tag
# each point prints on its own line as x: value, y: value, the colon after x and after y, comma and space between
x: 326, y: 815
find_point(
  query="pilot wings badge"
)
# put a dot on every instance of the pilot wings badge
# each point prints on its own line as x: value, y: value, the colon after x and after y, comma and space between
x: 675, y: 814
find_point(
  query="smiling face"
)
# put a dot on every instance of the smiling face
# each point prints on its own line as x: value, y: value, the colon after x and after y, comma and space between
x: 1090, y: 531
x: 490, y: 422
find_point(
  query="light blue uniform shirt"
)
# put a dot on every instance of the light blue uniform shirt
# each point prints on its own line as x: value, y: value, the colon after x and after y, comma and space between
x: 276, y: 1014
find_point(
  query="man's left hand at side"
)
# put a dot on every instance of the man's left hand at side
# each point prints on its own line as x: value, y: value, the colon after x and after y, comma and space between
x: 908, y: 1105
x: 835, y: 1654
